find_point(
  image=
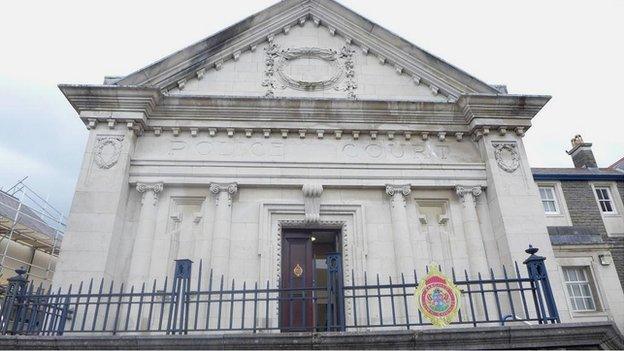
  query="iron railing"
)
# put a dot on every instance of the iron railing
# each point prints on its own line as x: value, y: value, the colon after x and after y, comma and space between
x: 214, y: 305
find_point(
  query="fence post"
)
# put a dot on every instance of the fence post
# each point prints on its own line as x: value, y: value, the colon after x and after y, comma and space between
x: 335, y: 293
x: 14, y: 302
x: 179, y: 309
x: 540, y: 282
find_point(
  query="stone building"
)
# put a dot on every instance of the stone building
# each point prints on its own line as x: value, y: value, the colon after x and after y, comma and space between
x: 309, y: 121
x: 584, y: 210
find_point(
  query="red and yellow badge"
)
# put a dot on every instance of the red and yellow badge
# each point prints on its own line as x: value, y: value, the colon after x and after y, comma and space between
x: 438, y: 298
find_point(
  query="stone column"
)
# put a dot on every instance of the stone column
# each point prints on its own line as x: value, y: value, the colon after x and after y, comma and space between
x: 472, y: 230
x: 404, y: 259
x: 220, y: 255
x: 142, y: 249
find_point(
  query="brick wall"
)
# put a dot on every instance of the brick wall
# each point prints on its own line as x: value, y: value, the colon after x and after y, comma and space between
x: 584, y: 212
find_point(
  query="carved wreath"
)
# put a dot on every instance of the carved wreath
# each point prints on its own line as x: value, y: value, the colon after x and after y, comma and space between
x: 328, y: 55
x: 108, y: 160
x: 341, y: 62
x: 507, y: 156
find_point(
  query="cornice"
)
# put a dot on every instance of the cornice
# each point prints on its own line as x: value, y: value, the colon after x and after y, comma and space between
x: 502, y: 112
x: 150, y: 109
x: 100, y: 103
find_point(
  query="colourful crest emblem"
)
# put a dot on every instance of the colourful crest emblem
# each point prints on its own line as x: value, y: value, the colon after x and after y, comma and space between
x: 438, y: 298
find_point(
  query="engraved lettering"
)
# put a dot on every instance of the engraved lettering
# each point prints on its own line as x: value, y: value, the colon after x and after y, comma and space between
x: 374, y: 150
x: 176, y: 145
x: 349, y: 150
x: 204, y: 147
x: 441, y: 152
x: 277, y: 149
x: 397, y: 150
x: 258, y: 149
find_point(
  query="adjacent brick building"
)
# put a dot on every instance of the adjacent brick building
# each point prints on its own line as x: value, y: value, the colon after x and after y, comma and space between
x: 583, y: 205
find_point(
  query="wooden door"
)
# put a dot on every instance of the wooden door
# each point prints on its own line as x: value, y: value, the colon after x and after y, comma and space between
x: 296, y: 306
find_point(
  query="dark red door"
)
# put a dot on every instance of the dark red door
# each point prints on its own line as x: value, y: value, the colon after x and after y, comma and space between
x: 296, y: 306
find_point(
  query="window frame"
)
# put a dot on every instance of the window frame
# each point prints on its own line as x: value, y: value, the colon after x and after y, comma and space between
x: 610, y: 200
x: 589, y: 281
x: 555, y: 200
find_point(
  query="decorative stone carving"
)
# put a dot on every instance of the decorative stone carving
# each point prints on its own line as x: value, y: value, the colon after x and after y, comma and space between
x: 341, y: 68
x: 394, y: 189
x: 107, y: 150
x: 463, y: 191
x: 312, y: 202
x: 328, y: 56
x: 350, y: 84
x: 230, y: 189
x: 272, y: 54
x: 507, y: 156
x: 154, y: 189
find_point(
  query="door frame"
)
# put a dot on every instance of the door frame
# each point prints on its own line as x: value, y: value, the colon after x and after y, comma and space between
x: 309, y: 316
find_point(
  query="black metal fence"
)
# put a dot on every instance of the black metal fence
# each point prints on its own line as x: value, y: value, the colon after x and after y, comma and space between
x: 216, y: 305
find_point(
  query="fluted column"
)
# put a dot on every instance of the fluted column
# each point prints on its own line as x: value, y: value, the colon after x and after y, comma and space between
x: 472, y: 230
x: 400, y: 228
x: 144, y: 241
x: 220, y: 255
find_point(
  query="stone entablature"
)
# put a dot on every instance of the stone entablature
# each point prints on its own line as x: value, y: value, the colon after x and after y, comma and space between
x: 209, y: 114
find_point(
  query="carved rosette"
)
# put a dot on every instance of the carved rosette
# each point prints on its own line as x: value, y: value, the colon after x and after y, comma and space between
x: 230, y: 188
x: 474, y: 191
x: 507, y: 156
x: 150, y: 188
x: 107, y: 150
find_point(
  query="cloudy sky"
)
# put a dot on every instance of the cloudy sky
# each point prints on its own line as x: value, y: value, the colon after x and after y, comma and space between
x: 571, y: 50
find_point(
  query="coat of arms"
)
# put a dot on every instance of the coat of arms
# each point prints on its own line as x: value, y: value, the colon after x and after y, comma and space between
x: 438, y: 298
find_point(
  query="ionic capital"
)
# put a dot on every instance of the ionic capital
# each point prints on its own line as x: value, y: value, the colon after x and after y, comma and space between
x: 464, y: 192
x: 404, y: 190
x: 230, y: 188
x: 150, y: 188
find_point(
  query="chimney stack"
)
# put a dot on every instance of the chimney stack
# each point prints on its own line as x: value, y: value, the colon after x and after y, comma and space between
x: 582, y: 154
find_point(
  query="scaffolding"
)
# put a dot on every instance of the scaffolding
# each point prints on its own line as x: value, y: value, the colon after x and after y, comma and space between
x: 31, y: 233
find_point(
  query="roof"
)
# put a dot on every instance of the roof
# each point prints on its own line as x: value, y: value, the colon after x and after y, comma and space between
x: 577, y: 174
x: 256, y: 28
x: 574, y: 235
x: 618, y: 164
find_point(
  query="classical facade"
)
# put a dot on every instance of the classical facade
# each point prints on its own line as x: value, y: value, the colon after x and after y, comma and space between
x: 307, y: 120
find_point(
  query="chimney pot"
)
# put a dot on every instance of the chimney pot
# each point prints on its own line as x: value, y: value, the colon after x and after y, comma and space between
x: 581, y: 153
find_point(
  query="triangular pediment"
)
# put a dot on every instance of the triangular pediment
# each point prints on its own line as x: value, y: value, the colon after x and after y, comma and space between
x: 308, y: 48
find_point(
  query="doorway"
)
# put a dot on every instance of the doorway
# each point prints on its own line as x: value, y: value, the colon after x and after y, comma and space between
x: 304, y: 299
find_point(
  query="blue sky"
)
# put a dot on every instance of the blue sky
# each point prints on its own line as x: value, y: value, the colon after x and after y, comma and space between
x: 568, y: 49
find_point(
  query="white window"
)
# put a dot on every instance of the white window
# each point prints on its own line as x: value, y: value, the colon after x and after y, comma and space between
x: 579, y: 288
x: 549, y: 201
x: 603, y: 194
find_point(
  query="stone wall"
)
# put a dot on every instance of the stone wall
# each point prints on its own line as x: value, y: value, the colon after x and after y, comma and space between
x: 604, y: 336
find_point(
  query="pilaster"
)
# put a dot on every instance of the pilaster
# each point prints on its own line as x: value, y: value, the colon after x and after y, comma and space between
x: 141, y: 257
x: 97, y: 216
x: 516, y: 211
x: 404, y: 259
x: 472, y: 231
x: 220, y: 251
